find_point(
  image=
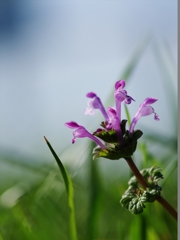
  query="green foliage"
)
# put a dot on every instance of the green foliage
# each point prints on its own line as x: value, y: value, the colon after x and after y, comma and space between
x: 41, y: 211
x: 134, y: 197
x: 70, y: 192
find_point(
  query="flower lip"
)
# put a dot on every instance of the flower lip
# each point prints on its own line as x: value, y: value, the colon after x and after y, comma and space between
x: 128, y: 99
x: 156, y: 117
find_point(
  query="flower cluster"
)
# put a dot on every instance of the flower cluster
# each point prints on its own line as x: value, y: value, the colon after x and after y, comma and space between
x: 118, y: 142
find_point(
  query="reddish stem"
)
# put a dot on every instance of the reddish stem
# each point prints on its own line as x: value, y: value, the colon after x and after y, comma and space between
x: 137, y: 173
x: 167, y: 206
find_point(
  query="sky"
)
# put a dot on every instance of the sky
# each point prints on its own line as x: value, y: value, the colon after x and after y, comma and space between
x: 53, y: 52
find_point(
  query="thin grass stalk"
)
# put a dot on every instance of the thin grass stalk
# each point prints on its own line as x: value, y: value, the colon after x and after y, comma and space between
x: 70, y: 193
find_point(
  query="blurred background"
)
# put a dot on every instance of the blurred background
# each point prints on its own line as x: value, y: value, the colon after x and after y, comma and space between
x: 51, y: 54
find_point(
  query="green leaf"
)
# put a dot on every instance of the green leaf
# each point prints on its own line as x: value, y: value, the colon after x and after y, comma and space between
x: 69, y: 190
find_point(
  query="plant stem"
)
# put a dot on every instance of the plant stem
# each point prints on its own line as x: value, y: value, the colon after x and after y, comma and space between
x: 137, y: 173
x: 168, y: 207
x: 144, y: 184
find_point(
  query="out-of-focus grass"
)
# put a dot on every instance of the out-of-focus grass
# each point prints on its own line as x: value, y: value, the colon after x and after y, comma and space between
x: 33, y: 204
x: 70, y: 193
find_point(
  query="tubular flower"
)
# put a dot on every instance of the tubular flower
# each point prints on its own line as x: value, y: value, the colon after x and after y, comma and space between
x: 81, y: 132
x: 144, y: 110
x: 120, y: 95
x: 95, y: 103
x: 114, y: 123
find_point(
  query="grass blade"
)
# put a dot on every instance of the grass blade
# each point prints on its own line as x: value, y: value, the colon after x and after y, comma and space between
x: 169, y: 73
x: 127, y: 114
x: 69, y: 190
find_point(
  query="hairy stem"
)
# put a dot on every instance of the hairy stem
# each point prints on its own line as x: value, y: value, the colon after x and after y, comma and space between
x: 137, y: 173
x: 144, y: 184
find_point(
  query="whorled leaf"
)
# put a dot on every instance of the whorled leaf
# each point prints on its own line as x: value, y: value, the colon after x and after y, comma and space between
x: 134, y: 197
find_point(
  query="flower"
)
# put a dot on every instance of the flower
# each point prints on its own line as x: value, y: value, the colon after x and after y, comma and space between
x: 95, y: 103
x: 81, y: 132
x: 120, y: 95
x: 118, y: 142
x: 144, y: 110
x: 114, y: 123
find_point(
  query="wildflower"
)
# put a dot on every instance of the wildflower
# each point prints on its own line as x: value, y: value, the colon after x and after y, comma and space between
x: 81, y: 132
x: 114, y: 123
x: 95, y: 103
x: 118, y: 142
x: 144, y: 110
x: 120, y: 95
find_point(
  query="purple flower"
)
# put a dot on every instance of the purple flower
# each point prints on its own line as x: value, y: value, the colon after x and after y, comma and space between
x: 81, y: 132
x: 120, y: 95
x: 114, y: 123
x: 144, y: 110
x: 95, y: 103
